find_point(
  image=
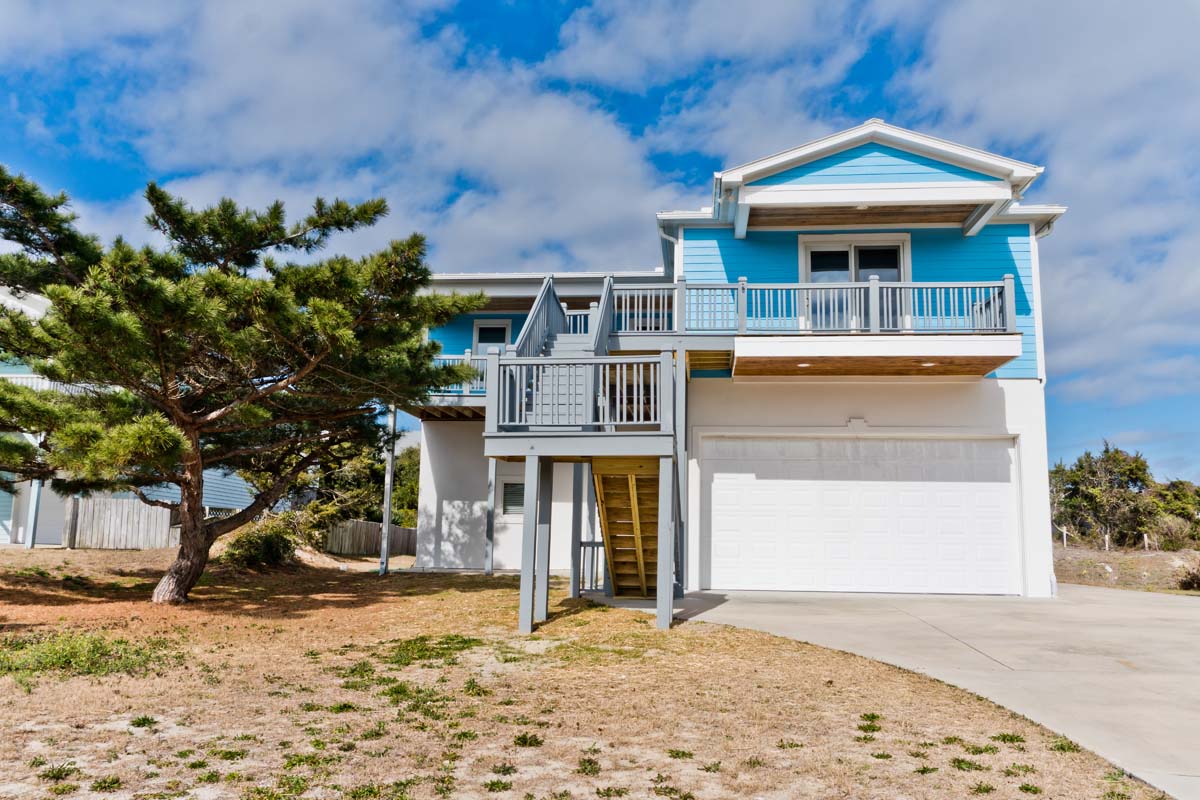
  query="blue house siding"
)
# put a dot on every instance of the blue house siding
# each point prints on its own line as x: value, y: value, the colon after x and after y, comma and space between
x: 871, y: 163
x: 455, y: 337
x: 712, y: 255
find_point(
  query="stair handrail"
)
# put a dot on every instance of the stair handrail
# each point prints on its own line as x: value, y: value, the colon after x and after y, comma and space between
x: 602, y: 322
x: 546, y: 318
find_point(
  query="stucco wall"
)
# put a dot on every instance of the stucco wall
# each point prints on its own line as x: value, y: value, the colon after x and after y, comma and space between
x: 452, y: 505
x: 1012, y: 408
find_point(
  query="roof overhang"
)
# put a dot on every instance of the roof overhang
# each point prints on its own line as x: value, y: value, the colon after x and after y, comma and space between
x: 975, y: 202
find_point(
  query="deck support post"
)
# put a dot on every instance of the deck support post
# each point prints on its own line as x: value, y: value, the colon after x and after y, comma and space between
x: 576, y: 528
x: 389, y: 479
x: 545, y: 506
x: 681, y: 471
x: 528, y: 545
x: 664, y: 588
x: 31, y: 513
x: 489, y: 531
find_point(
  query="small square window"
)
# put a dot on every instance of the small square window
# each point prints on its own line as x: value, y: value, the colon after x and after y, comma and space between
x: 512, y: 498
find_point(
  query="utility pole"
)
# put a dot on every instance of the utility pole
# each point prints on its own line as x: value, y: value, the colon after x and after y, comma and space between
x: 389, y: 477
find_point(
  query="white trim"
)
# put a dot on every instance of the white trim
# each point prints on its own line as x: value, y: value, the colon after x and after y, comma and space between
x: 886, y: 345
x: 1035, y: 270
x: 679, y: 240
x: 901, y: 240
x: 492, y: 322
x: 876, y: 194
x: 876, y: 130
x: 503, y: 482
x: 981, y: 216
x: 889, y: 226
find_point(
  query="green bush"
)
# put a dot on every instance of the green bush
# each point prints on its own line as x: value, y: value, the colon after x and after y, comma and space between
x: 1190, y: 579
x: 76, y: 653
x: 266, y: 543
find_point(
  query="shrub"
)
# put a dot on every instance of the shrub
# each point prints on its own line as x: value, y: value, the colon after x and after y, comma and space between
x: 109, y: 783
x: 266, y: 543
x: 1190, y: 579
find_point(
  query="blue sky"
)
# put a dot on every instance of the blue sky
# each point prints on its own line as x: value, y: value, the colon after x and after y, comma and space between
x: 545, y: 135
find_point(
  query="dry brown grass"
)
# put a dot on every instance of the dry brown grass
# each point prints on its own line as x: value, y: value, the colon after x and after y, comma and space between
x: 1152, y: 571
x: 270, y: 675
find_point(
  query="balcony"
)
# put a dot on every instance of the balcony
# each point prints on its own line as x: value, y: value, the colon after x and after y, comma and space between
x: 622, y: 405
x: 823, y: 329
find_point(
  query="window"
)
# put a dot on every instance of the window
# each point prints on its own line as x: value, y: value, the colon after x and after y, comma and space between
x: 850, y: 259
x: 512, y: 498
x: 490, y: 333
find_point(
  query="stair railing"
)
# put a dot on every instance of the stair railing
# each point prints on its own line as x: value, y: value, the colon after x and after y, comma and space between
x: 602, y: 319
x: 546, y: 318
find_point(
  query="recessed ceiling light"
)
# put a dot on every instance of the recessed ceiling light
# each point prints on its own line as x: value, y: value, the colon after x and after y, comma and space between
x: 806, y: 364
x: 929, y: 364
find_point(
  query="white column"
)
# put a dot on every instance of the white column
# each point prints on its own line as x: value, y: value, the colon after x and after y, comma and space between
x: 528, y: 545
x: 31, y: 516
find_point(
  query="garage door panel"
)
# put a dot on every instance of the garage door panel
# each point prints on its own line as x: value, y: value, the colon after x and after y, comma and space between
x: 884, y: 515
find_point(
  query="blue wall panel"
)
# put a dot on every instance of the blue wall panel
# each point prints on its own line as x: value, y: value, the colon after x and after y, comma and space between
x: 871, y: 163
x: 220, y: 491
x: 455, y: 337
x: 712, y: 255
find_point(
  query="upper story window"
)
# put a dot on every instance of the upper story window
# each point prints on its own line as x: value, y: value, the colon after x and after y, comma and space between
x: 490, y: 333
x: 849, y: 259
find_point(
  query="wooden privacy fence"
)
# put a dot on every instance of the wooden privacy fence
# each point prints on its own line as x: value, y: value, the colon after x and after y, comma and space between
x: 358, y: 537
x: 107, y: 523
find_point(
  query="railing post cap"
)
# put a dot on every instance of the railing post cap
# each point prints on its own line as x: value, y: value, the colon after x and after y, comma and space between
x: 742, y: 279
x: 873, y: 278
x: 493, y: 350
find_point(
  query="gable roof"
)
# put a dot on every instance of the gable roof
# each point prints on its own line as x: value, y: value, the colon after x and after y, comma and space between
x: 1018, y: 173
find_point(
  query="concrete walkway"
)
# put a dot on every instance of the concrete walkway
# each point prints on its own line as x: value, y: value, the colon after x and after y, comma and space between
x: 1117, y: 671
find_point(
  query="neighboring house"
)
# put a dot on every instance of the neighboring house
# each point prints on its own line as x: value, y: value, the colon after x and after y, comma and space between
x: 835, y: 382
x: 36, y: 513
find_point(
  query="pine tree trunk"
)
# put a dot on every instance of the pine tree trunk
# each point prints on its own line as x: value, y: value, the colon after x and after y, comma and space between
x: 187, y: 568
x: 194, y: 542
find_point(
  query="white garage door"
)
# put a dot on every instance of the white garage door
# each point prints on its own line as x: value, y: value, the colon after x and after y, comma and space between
x: 862, y: 515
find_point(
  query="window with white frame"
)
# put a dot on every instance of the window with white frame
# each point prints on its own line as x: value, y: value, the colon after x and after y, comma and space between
x: 850, y: 259
x: 490, y: 333
x: 847, y: 259
x: 512, y: 499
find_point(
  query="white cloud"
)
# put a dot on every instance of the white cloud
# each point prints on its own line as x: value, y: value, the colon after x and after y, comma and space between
x: 1110, y: 96
x: 633, y: 45
x: 289, y: 100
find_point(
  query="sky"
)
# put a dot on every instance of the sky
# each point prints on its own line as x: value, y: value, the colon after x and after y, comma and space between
x: 544, y: 135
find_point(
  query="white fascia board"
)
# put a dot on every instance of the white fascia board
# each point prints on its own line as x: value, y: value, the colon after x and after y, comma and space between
x: 1021, y: 212
x: 684, y: 217
x: 878, y: 346
x: 878, y: 194
x: 875, y: 130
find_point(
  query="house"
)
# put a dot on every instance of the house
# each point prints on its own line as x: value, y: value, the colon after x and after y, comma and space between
x: 35, y: 514
x: 834, y: 382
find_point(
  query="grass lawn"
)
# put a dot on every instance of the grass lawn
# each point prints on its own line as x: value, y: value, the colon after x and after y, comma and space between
x: 329, y: 683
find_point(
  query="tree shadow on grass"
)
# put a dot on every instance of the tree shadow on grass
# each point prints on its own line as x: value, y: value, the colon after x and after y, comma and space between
x: 276, y: 593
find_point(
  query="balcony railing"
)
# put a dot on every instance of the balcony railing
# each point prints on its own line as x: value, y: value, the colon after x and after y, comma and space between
x: 583, y: 394
x: 474, y: 386
x: 577, y: 322
x: 872, y: 306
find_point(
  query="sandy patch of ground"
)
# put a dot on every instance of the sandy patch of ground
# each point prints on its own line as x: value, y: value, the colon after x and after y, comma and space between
x: 1147, y: 570
x: 313, y: 682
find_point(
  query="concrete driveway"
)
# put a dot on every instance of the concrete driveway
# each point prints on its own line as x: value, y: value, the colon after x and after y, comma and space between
x: 1117, y: 671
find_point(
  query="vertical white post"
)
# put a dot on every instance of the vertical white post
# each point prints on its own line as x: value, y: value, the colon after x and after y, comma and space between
x: 681, y: 305
x: 664, y: 586
x: 541, y: 603
x: 873, y: 302
x: 492, y: 387
x: 528, y: 545
x: 389, y: 478
x: 31, y: 514
x: 1010, y: 304
x: 576, y: 528
x: 489, y: 544
x: 741, y: 305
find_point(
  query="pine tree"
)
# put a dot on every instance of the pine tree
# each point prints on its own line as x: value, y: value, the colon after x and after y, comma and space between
x: 211, y: 352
